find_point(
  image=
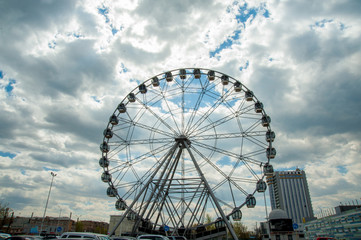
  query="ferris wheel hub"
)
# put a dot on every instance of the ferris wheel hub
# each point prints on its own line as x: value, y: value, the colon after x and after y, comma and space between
x: 183, y: 139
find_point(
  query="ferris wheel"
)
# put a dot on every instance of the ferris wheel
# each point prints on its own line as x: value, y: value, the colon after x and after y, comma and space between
x: 186, y: 144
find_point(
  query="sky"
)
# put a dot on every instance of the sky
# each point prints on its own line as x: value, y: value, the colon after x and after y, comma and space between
x: 65, y: 66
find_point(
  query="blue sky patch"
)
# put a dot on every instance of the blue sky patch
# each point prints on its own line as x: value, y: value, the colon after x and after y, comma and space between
x: 224, y: 161
x: 123, y: 69
x: 9, y: 88
x: 244, y: 13
x: 7, y: 154
x: 245, y: 67
x: 1, y: 74
x: 114, y: 31
x: 104, y: 11
x: 23, y: 172
x: 342, y: 169
x: 95, y: 99
x: 52, y: 44
x: 50, y: 169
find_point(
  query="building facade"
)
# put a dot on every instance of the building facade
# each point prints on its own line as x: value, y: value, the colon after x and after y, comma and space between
x: 124, y: 228
x: 289, y: 192
x: 345, y: 224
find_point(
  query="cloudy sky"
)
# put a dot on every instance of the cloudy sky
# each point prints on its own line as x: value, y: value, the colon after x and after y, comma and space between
x: 65, y: 65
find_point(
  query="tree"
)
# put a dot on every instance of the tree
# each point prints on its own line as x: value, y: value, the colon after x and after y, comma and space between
x: 241, y: 230
x: 79, y: 227
x: 5, y: 213
x: 209, y: 220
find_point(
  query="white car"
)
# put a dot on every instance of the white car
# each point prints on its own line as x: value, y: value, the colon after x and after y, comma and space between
x: 177, y: 237
x: 4, y: 235
x: 152, y: 237
x: 88, y: 235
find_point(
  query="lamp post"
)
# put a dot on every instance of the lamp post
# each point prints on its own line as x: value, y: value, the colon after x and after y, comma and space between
x: 47, y: 201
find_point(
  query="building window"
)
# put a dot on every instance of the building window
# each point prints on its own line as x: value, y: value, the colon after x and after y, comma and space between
x: 290, y: 237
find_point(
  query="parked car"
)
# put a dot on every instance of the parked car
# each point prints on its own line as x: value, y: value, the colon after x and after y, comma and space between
x: 4, y: 235
x: 123, y: 238
x: 177, y: 237
x: 152, y: 237
x: 17, y: 238
x: 88, y: 235
x: 31, y: 237
x: 50, y: 236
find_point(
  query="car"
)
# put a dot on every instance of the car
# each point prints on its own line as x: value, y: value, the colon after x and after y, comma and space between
x: 4, y: 235
x: 17, y: 238
x: 152, y: 237
x: 89, y: 235
x: 177, y: 237
x: 31, y: 237
x: 123, y: 238
x: 325, y: 238
x: 50, y: 236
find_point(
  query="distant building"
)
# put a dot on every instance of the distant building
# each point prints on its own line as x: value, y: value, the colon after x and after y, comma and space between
x: 345, y: 224
x: 125, y: 227
x: 289, y: 191
x: 94, y: 226
x: 280, y: 227
x: 32, y: 225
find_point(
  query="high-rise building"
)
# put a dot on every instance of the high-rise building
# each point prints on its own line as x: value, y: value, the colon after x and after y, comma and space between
x: 289, y: 191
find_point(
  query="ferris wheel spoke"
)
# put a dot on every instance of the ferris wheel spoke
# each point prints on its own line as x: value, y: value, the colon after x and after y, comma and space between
x: 158, y: 117
x: 239, y: 187
x: 196, y: 108
x: 146, y: 127
x: 245, y: 157
x: 138, y: 160
x: 209, y: 162
x: 206, y: 115
x: 226, y: 136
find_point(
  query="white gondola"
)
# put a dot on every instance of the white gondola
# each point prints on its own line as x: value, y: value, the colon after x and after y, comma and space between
x: 268, y: 169
x: 146, y: 223
x: 168, y: 76
x: 121, y: 108
x: 225, y: 79
x: 104, y: 147
x: 219, y: 223
x: 249, y: 96
x: 182, y: 74
x: 236, y: 215
x: 103, y: 162
x: 132, y: 215
x: 108, y: 133
x: 250, y: 201
x: 131, y: 97
x: 155, y: 81
x: 270, y: 136
x: 111, y: 191
x: 120, y: 204
x: 113, y: 120
x: 197, y: 73
x: 266, y: 120
x: 142, y: 88
x: 261, y: 186
x: 258, y: 107
x: 237, y: 86
x: 211, y: 75
x: 271, y: 152
x: 106, y: 177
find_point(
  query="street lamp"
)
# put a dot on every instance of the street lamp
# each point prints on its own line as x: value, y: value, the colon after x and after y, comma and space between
x: 47, y: 201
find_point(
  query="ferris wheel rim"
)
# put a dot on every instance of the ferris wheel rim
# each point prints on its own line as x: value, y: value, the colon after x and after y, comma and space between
x: 162, y: 77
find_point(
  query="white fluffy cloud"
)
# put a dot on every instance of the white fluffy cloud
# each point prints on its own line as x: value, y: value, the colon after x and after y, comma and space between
x: 65, y: 65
